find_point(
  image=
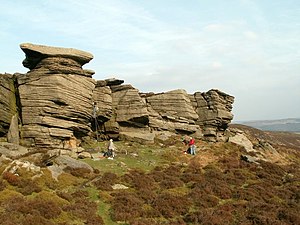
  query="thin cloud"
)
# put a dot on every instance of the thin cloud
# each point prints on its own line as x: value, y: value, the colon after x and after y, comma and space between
x: 195, y: 46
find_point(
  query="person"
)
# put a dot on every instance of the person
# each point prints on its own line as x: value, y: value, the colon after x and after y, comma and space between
x: 95, y: 109
x: 111, y: 149
x: 192, y: 146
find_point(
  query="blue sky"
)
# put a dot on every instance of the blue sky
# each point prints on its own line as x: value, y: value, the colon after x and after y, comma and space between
x: 247, y: 48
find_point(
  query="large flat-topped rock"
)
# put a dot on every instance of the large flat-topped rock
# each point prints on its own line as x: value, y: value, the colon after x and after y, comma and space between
x: 34, y: 54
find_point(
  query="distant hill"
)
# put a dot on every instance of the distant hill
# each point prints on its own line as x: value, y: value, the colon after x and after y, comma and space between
x: 290, y: 125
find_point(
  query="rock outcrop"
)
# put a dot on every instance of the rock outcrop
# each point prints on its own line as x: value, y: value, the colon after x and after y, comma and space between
x: 172, y: 111
x: 214, y: 111
x: 55, y: 96
x: 57, y: 103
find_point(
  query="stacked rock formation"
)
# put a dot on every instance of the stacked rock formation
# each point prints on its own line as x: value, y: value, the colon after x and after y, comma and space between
x: 139, y: 116
x: 55, y: 96
x: 55, y: 104
x: 214, y: 110
x: 173, y: 111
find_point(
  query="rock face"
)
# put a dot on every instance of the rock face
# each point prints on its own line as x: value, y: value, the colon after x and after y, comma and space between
x: 57, y: 103
x: 55, y: 95
x: 214, y: 111
x: 8, y: 105
x: 172, y: 111
x: 103, y: 99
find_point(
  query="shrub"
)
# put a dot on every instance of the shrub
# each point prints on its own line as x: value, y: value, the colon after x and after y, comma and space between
x: 79, y: 194
x: 157, y: 175
x: 147, y: 195
x: 143, y: 181
x: 171, y: 182
x: 290, y: 216
x: 202, y: 199
x: 2, y: 185
x: 47, y: 209
x: 173, y: 170
x: 34, y: 219
x: 11, y: 178
x: 187, y: 177
x: 126, y: 206
x: 106, y: 181
x: 28, y: 186
x: 78, y: 172
x: 84, y: 209
x: 171, y: 206
x: 209, y: 216
x: 64, y: 195
x: 230, y: 162
x: 37, y: 206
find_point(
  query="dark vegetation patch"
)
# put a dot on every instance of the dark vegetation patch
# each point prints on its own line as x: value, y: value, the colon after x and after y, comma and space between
x: 230, y: 191
x: 225, y: 191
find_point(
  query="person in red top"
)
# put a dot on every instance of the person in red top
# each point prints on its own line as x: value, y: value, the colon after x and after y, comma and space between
x: 192, y: 146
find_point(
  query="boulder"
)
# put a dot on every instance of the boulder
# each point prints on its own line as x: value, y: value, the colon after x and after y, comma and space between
x: 64, y: 161
x: 119, y: 187
x: 113, y: 81
x: 250, y: 159
x: 242, y: 140
x: 12, y: 151
x: 35, y: 53
x: 84, y: 155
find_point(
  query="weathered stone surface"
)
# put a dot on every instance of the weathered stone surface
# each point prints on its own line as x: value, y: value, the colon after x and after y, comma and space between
x: 103, y: 98
x: 13, y: 132
x: 56, y: 99
x: 250, y: 159
x: 174, y: 104
x: 214, y: 110
x: 16, y: 165
x: 55, y: 95
x: 8, y: 105
x: 84, y: 155
x: 12, y: 150
x: 141, y: 135
x: 62, y: 162
x: 113, y: 81
x: 34, y: 54
x: 66, y: 161
x: 242, y: 140
x: 119, y: 187
x: 172, y: 111
x: 101, y: 83
x: 130, y: 108
x: 55, y: 105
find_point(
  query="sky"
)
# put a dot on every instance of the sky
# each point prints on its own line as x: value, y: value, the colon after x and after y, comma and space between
x: 249, y: 49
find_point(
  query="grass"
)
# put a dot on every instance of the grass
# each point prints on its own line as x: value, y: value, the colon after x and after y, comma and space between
x: 103, y: 207
x: 139, y: 157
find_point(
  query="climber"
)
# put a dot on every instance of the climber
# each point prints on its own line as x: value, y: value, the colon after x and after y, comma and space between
x: 95, y: 109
